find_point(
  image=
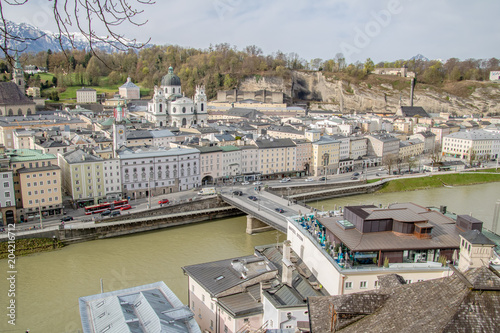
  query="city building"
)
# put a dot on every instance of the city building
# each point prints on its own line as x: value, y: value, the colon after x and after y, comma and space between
x: 129, y: 90
x: 276, y: 157
x: 472, y: 145
x: 268, y: 290
x: 13, y: 101
x: 495, y: 76
x: 210, y: 164
x: 346, y: 253
x: 169, y: 107
x: 382, y: 145
x: 428, y: 138
x: 325, y: 156
x: 402, y: 72
x: 231, y: 162
x: 40, y: 191
x: 263, y: 96
x: 249, y: 163
x: 148, y: 308
x: 410, y: 148
x: 27, y: 159
x: 151, y: 171
x: 10, y: 124
x: 304, y: 155
x: 86, y: 95
x: 7, y: 195
x: 87, y: 180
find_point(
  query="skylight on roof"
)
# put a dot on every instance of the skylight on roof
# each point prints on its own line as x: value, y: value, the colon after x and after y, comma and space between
x: 219, y: 278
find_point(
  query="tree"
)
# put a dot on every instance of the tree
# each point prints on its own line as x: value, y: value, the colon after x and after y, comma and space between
x: 436, y: 155
x: 85, y: 16
x: 389, y: 161
x: 369, y: 66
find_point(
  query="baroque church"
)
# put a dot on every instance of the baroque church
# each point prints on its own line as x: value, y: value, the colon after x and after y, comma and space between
x: 170, y: 108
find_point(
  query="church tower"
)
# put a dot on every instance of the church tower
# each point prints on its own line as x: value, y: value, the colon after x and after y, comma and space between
x: 119, y: 131
x: 200, y: 100
x: 18, y: 74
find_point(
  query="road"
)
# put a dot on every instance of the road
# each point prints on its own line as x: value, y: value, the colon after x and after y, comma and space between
x: 248, y: 190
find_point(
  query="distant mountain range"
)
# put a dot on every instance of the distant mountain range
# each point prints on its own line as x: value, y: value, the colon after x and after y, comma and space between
x: 38, y: 40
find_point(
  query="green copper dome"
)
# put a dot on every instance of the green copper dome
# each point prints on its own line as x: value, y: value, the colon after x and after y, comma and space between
x: 170, y: 79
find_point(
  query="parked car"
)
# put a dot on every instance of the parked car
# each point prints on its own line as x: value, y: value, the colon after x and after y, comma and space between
x: 257, y: 183
x: 253, y: 198
x: 285, y: 180
x: 354, y: 178
x: 106, y: 212
x: 239, y: 193
x: 67, y: 218
x: 309, y: 180
x: 356, y: 174
x: 322, y: 179
x: 126, y: 207
x: 280, y: 210
x: 245, y: 183
x: 115, y: 213
x: 163, y: 201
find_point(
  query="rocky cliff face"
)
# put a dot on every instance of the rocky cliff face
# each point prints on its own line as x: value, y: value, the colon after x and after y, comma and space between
x: 379, y: 93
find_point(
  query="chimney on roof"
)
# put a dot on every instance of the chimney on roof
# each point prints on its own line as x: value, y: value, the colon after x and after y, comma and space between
x: 287, y: 265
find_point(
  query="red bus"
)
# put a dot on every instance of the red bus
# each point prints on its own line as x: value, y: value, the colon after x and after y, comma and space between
x: 89, y: 210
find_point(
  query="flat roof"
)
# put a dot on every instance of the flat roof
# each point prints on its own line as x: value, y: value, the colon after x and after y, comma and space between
x: 443, y: 236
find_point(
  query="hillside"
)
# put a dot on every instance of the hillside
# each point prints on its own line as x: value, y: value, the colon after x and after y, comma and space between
x: 333, y: 91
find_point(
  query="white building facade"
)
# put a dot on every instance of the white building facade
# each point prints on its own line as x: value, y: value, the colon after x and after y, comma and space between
x: 150, y: 171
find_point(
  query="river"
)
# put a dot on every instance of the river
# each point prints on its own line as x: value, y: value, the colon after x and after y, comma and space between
x: 48, y: 285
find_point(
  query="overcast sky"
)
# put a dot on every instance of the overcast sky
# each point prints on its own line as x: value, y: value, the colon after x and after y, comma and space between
x: 382, y: 30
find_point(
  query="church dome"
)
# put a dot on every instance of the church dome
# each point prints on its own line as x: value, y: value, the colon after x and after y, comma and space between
x: 170, y: 79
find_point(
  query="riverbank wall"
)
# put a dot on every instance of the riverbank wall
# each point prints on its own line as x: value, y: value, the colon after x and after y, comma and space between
x: 202, y: 210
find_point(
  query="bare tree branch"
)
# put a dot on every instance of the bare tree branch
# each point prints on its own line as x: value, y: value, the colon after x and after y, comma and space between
x: 84, y: 16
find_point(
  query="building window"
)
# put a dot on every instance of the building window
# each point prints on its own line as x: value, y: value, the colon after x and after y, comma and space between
x: 362, y: 284
x: 6, y: 184
x: 348, y: 285
x: 377, y: 284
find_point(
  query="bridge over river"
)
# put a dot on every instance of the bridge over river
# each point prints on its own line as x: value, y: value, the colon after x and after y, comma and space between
x: 269, y: 211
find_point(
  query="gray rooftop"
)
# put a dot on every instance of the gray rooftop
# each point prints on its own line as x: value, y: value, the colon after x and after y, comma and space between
x: 477, y: 237
x: 274, y: 143
x: 440, y: 305
x: 148, y: 308
x: 79, y: 156
x: 474, y: 135
x: 219, y: 276
x: 10, y: 94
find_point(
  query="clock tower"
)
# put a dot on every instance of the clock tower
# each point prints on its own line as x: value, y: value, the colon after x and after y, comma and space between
x: 119, y: 131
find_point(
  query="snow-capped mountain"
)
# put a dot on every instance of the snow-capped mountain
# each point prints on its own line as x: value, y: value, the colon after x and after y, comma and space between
x: 38, y: 40
x: 419, y: 57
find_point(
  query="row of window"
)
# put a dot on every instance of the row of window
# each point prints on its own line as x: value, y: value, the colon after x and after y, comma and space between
x: 41, y: 191
x: 41, y: 183
x: 50, y: 199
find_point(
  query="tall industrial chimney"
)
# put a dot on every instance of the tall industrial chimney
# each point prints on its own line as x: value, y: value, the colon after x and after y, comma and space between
x: 412, y: 88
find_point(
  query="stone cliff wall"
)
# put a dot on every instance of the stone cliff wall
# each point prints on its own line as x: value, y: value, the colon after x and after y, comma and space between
x: 331, y: 94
